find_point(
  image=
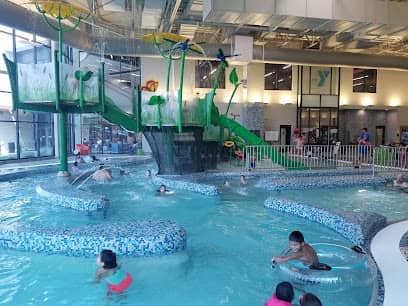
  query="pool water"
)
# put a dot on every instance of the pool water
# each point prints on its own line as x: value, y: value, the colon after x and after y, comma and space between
x: 384, y: 200
x: 230, y: 240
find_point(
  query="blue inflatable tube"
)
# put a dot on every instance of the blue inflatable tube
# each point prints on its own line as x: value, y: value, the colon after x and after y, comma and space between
x: 349, y: 268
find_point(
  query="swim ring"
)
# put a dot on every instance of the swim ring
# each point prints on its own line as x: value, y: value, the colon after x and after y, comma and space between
x: 350, y: 268
x: 228, y: 143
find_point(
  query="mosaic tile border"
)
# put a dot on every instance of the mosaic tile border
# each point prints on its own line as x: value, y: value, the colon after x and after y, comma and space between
x: 70, y: 197
x: 136, y: 239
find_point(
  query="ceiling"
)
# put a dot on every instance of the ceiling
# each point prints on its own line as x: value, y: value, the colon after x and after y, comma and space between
x: 114, y: 20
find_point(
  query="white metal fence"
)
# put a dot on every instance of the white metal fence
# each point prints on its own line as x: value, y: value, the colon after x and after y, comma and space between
x: 275, y: 157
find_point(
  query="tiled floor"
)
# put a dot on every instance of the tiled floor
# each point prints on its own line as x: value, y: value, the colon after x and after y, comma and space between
x: 394, y: 268
x: 404, y: 245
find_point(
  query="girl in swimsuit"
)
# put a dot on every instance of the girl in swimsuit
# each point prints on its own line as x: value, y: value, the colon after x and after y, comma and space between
x: 118, y: 280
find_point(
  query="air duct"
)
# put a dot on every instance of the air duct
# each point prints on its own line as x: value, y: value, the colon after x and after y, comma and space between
x: 243, y: 47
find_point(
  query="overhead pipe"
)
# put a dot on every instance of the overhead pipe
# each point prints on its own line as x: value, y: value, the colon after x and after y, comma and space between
x: 272, y: 55
x: 16, y: 16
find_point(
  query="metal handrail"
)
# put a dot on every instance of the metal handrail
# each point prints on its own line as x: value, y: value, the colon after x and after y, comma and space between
x: 279, y: 157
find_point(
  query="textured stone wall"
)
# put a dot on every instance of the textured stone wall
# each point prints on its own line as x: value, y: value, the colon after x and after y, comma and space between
x: 253, y: 117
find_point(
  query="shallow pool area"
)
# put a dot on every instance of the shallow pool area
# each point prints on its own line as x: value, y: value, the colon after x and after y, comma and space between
x: 230, y: 240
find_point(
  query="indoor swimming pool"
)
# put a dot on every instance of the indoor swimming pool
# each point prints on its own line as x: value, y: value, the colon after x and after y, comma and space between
x: 230, y: 241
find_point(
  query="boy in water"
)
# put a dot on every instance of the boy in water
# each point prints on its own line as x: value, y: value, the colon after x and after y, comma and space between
x: 301, y: 251
x: 309, y: 299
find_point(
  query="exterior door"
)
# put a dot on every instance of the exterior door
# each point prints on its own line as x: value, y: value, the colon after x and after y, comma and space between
x: 285, y: 132
x: 379, y: 135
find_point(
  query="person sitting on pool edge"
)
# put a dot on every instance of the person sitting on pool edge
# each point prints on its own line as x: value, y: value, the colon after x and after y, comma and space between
x: 283, y: 296
x: 118, y: 281
x: 301, y: 251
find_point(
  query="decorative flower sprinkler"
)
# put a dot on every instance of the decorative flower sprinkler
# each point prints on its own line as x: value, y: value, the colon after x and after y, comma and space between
x: 60, y: 10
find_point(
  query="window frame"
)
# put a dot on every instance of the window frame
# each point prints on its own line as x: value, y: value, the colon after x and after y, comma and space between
x: 207, y: 82
x: 276, y: 72
x: 364, y: 80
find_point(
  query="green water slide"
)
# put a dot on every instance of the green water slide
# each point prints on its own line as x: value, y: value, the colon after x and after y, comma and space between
x: 115, y: 115
x: 254, y: 140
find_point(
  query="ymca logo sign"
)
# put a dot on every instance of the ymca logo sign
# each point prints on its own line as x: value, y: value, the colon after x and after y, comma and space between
x: 323, y: 75
x: 320, y: 80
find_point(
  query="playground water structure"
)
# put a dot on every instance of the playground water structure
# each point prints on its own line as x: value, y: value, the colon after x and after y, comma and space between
x: 231, y: 238
x: 169, y: 121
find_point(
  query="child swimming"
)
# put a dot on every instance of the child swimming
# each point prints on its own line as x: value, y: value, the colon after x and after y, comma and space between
x: 118, y: 280
x: 163, y: 190
x: 301, y: 251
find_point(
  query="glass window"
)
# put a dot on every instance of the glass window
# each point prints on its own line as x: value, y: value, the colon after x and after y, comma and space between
x: 364, y: 80
x: 8, y: 143
x: 25, y: 116
x: 27, y: 131
x: 24, y: 47
x: 43, y: 54
x: 278, y: 77
x: 6, y: 47
x: 4, y: 82
x: 42, y: 40
x: 319, y: 125
x: 5, y: 101
x: 205, y: 73
x: 46, y: 139
x: 5, y: 29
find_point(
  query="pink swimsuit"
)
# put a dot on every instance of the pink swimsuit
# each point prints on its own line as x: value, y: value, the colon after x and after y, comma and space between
x: 274, y: 301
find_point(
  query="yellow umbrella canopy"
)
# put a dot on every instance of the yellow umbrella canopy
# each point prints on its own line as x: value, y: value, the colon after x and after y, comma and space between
x: 163, y: 37
x: 60, y: 8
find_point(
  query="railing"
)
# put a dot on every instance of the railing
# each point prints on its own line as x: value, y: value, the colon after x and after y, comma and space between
x: 278, y: 157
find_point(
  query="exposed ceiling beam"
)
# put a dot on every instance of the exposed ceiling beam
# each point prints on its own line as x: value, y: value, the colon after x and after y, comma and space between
x: 169, y: 15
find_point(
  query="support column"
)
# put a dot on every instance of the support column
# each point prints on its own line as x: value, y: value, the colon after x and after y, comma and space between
x: 62, y: 133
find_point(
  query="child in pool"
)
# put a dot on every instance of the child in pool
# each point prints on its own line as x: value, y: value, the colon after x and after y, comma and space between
x: 309, y: 299
x: 118, y: 281
x: 283, y: 296
x: 301, y: 251
x: 163, y: 190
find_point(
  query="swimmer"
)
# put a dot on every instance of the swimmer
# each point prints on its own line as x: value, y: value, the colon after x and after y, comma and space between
x: 118, y: 281
x: 78, y: 157
x: 148, y: 173
x: 283, y: 296
x: 227, y: 184
x: 123, y: 172
x: 102, y: 174
x: 243, y: 180
x: 309, y: 299
x: 301, y: 251
x: 163, y: 190
x: 75, y: 168
x: 399, y: 182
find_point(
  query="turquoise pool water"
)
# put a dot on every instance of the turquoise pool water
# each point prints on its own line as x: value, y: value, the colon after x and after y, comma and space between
x: 231, y: 239
x: 384, y: 200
